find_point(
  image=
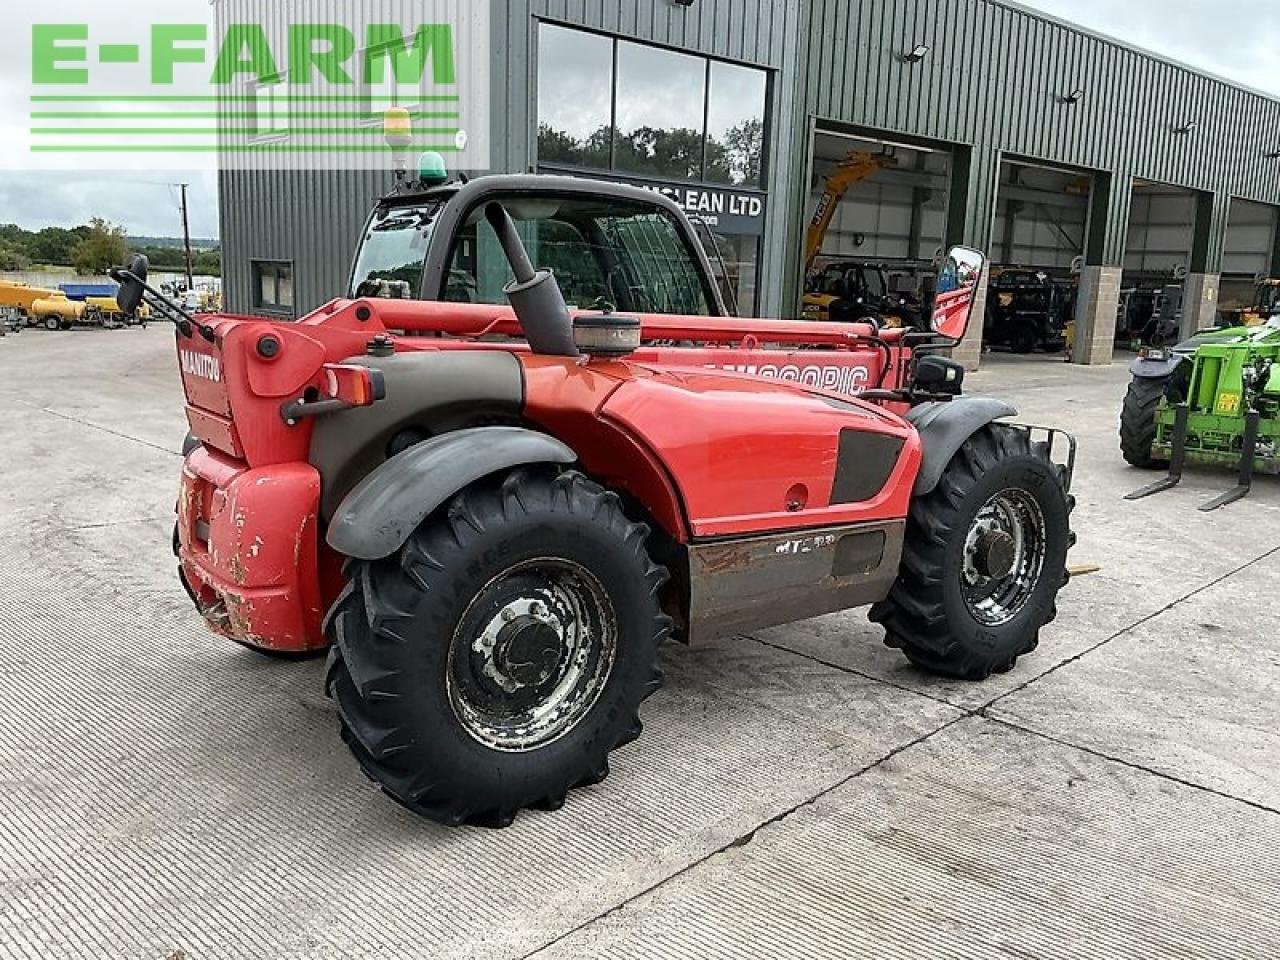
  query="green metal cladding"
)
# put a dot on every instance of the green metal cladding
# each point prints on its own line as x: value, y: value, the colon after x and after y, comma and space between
x: 992, y: 85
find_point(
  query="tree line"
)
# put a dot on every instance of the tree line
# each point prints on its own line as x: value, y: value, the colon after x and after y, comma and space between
x: 680, y: 153
x: 92, y: 248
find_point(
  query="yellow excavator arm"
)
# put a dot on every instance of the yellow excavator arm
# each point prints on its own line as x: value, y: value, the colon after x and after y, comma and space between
x: 852, y: 169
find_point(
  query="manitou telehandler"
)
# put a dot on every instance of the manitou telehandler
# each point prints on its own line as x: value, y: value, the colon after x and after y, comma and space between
x: 494, y: 515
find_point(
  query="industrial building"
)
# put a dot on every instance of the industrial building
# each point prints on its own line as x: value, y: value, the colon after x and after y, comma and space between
x: 1052, y: 148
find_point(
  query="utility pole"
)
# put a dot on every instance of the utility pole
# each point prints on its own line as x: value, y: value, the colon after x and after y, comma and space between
x: 186, y: 237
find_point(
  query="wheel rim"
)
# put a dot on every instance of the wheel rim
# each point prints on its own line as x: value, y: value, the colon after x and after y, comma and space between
x: 1004, y: 556
x: 531, y: 655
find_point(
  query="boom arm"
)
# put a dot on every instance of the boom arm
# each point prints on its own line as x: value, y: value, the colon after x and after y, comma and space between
x: 852, y: 169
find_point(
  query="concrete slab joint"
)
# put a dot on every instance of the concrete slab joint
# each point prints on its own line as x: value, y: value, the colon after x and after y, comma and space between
x: 1096, y: 309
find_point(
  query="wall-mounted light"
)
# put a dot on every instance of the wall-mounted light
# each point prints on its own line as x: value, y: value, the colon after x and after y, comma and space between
x: 1189, y: 127
x: 1075, y: 96
x: 917, y: 53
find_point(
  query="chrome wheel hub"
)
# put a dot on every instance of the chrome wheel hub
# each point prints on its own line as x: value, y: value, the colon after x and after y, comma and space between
x: 531, y: 655
x: 1004, y: 557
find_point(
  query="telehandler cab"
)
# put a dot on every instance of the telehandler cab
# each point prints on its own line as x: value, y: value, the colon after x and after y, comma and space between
x: 493, y: 516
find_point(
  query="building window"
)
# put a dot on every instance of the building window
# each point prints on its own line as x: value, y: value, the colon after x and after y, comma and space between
x: 575, y: 98
x: 735, y: 124
x: 270, y: 109
x: 272, y: 285
x: 661, y: 113
x: 611, y: 104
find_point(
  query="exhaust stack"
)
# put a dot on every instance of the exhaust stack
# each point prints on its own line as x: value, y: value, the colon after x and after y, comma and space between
x: 535, y: 295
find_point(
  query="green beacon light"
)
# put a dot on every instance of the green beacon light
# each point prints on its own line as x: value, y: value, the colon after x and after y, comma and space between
x: 431, y: 169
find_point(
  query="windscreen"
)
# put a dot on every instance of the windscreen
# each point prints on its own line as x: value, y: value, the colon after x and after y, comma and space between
x: 603, y: 251
x: 873, y: 283
x: 393, y: 253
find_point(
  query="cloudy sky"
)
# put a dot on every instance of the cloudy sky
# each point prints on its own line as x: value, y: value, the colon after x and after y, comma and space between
x: 1236, y: 39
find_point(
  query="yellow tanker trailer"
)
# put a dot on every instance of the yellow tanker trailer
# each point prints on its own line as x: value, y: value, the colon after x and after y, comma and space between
x: 58, y: 312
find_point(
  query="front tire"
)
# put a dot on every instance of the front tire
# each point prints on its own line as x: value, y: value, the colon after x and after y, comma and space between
x: 1138, y: 422
x: 495, y: 662
x: 984, y: 559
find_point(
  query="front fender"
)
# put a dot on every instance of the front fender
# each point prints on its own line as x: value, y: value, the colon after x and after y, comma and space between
x: 1147, y: 369
x: 945, y: 427
x: 377, y: 517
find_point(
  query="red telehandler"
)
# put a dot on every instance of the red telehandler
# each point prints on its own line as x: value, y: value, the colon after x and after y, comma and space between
x: 493, y: 516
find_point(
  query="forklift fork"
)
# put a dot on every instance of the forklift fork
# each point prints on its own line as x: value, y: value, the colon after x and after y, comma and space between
x: 1252, y: 422
x: 1177, y: 460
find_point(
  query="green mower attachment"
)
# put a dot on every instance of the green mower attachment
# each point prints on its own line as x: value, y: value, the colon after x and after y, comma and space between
x: 1214, y: 400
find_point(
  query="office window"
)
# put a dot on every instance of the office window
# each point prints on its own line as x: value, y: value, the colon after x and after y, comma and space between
x: 617, y: 105
x: 272, y: 285
x: 575, y: 97
x: 735, y: 125
x: 661, y: 100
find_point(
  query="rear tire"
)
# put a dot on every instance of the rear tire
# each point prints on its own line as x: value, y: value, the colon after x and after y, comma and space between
x: 1138, y: 422
x: 498, y: 658
x: 952, y: 612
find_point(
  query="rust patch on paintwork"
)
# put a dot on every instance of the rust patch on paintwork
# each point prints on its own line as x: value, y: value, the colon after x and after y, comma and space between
x: 239, y: 617
x: 725, y: 559
x: 238, y: 572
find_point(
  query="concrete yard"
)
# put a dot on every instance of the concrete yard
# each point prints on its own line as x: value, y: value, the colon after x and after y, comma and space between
x: 800, y: 793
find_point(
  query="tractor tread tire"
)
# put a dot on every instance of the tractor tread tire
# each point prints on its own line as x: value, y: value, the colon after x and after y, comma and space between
x: 922, y: 615
x: 392, y: 627
x: 1138, y: 423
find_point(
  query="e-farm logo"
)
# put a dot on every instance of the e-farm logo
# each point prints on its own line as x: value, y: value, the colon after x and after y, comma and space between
x: 264, y: 81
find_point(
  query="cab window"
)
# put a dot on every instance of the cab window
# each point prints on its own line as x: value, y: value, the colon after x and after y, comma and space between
x: 627, y: 255
x: 393, y: 253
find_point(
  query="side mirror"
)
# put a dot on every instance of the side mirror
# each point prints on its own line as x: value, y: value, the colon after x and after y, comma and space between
x: 957, y: 292
x: 938, y: 376
x: 132, y: 279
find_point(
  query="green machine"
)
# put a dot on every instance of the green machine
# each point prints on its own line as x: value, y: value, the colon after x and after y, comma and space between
x: 1214, y: 400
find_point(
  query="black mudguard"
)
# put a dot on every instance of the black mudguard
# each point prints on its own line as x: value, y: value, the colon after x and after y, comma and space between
x: 377, y: 517
x: 1145, y: 369
x: 944, y: 428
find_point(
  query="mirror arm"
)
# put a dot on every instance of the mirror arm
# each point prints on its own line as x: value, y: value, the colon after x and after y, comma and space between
x: 172, y: 312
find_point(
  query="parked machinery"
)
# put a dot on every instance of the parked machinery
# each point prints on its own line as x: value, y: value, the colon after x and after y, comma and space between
x: 1266, y: 304
x: 496, y: 515
x: 106, y: 311
x: 1027, y: 311
x: 23, y: 305
x: 820, y: 288
x: 17, y: 299
x: 848, y: 291
x: 1214, y: 399
x: 58, y: 312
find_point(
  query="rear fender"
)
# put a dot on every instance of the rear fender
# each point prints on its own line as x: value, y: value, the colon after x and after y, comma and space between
x: 377, y: 517
x: 945, y: 427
